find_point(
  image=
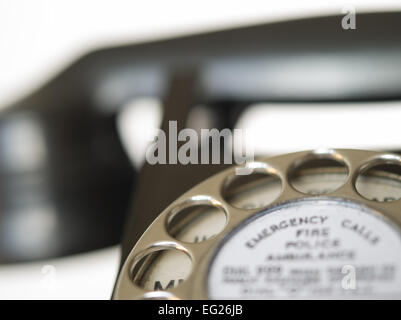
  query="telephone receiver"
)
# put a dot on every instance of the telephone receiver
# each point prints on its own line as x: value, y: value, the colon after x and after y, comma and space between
x: 67, y: 185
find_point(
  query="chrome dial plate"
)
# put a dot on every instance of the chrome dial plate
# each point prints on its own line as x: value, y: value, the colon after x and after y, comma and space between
x: 181, y: 261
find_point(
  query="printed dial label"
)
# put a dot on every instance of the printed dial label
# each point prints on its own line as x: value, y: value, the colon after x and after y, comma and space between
x: 310, y: 249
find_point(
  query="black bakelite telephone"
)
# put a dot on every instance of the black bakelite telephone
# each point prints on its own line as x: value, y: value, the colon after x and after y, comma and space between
x: 86, y: 182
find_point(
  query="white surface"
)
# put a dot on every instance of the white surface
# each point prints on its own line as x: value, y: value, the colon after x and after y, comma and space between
x: 38, y: 38
x: 83, y: 276
x: 280, y: 128
x: 136, y: 122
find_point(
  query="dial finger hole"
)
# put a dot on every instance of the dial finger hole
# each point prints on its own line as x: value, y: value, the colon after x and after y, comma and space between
x: 318, y: 174
x: 253, y: 191
x: 161, y: 270
x: 380, y: 182
x: 196, y: 223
